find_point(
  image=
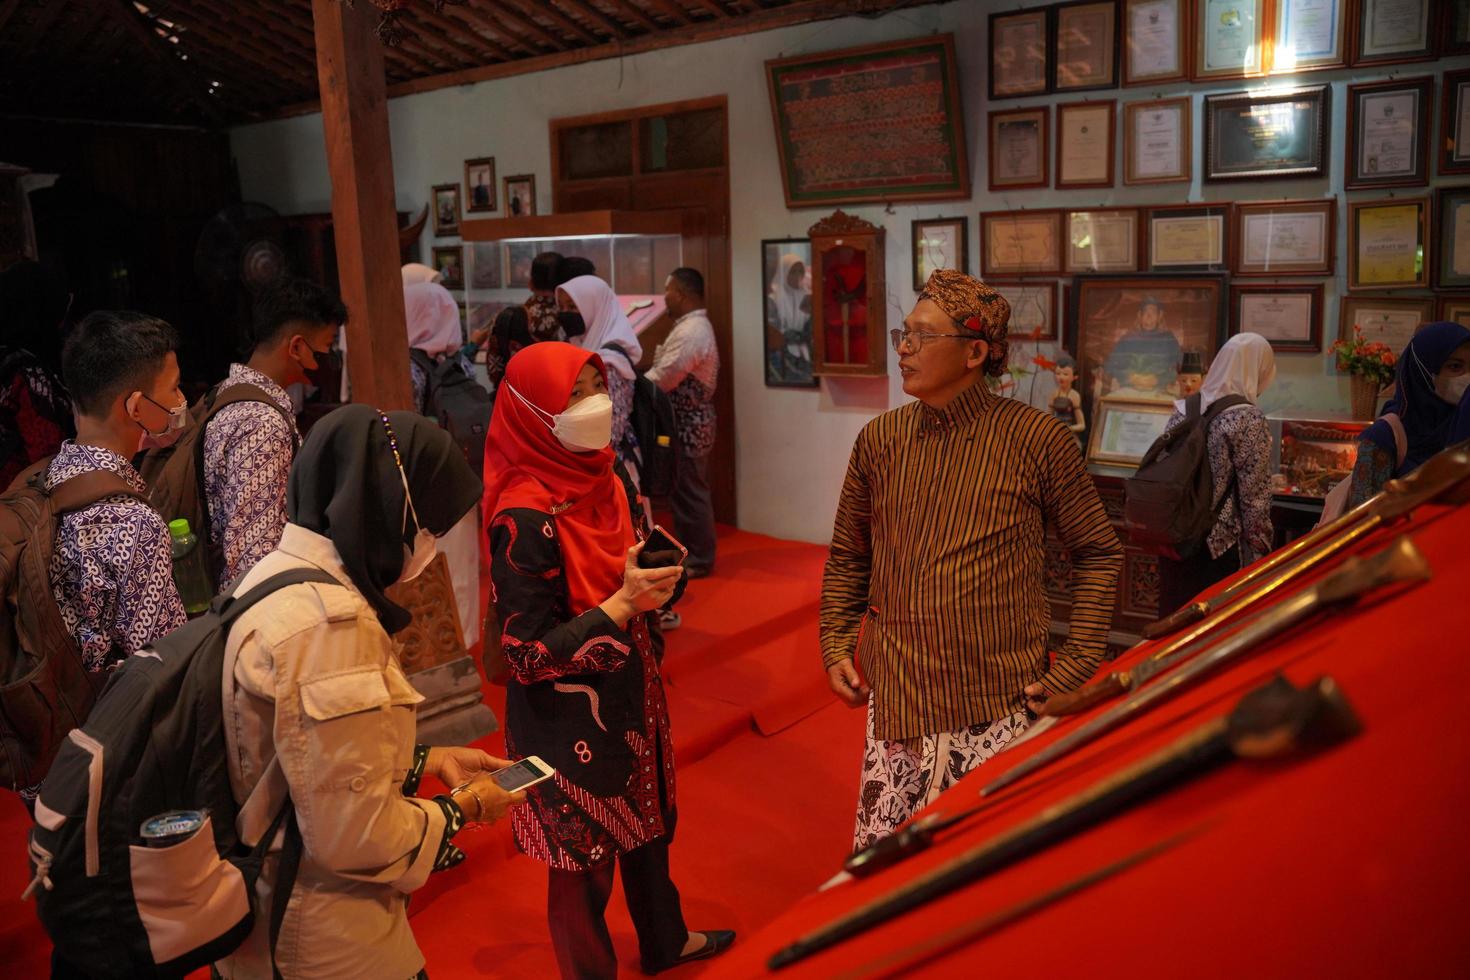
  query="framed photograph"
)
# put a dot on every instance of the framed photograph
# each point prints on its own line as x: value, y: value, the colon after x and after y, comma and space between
x: 1229, y: 39
x: 1456, y: 309
x: 1289, y: 316
x: 485, y: 260
x: 1019, y: 243
x: 1035, y: 307
x: 1248, y: 136
x: 786, y: 265
x: 1188, y: 237
x: 1388, y: 133
x: 1310, y: 35
x: 1452, y: 238
x: 874, y: 124
x: 449, y: 263
x: 1086, y: 46
x: 1455, y: 33
x: 1157, y: 142
x: 479, y: 184
x: 1392, y: 31
x: 1018, y: 148
x: 520, y: 195
x: 1454, y: 125
x: 1085, y: 148
x: 1391, y: 319
x: 1020, y: 48
x: 1123, y: 429
x: 446, y: 209
x: 1102, y: 240
x: 1282, y: 238
x: 1155, y: 45
x: 940, y: 243
x: 1388, y: 243
x: 518, y: 257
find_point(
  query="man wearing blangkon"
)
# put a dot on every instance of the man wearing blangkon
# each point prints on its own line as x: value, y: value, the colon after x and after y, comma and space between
x: 933, y: 611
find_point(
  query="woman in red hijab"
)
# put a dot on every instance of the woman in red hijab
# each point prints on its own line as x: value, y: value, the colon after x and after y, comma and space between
x: 584, y: 692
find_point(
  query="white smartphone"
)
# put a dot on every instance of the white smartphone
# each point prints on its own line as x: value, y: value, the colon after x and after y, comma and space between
x: 528, y: 772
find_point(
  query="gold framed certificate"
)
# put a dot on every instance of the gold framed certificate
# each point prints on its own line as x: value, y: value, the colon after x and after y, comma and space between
x: 1157, y: 142
x: 1019, y: 54
x: 1284, y: 238
x: 1154, y: 47
x: 1085, y: 148
x: 1018, y: 148
x: 1086, y: 45
x: 1388, y: 133
x: 1016, y: 243
x: 1124, y: 428
x: 1189, y: 237
x: 1388, y: 243
x: 1102, y: 240
x: 1310, y: 35
x: 1289, y: 316
x: 1394, y: 31
x: 1229, y: 39
x: 1390, y: 319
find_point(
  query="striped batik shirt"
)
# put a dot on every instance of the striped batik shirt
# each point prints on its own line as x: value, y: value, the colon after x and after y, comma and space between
x: 934, y: 580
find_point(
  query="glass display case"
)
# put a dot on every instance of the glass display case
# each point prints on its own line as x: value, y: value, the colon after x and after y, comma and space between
x: 1310, y: 456
x: 849, y: 300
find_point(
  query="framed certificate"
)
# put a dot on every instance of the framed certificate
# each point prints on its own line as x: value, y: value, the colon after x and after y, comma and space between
x: 1250, y: 136
x: 1123, y: 429
x: 1086, y: 46
x: 1284, y: 238
x: 1189, y: 237
x: 1456, y: 309
x: 1391, y: 31
x: 1156, y: 142
x: 1310, y: 35
x: 1452, y: 238
x: 1085, y: 148
x: 1018, y: 148
x: 940, y: 243
x: 1454, y: 126
x: 1388, y: 243
x: 1388, y: 133
x: 1019, y: 54
x: 1391, y: 319
x: 1289, y: 316
x: 1455, y: 32
x: 1154, y: 46
x: 1036, y: 313
x: 1229, y: 38
x: 1102, y: 240
x: 1017, y: 243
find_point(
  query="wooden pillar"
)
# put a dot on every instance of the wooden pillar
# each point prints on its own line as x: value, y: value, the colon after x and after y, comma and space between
x: 349, y: 60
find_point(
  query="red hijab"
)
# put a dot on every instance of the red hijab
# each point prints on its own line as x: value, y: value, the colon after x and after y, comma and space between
x: 527, y: 466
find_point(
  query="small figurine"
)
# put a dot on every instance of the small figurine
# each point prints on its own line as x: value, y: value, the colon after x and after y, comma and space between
x: 1066, y: 402
x: 1191, y: 373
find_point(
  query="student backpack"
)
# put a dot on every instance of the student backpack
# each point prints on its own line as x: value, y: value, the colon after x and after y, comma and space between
x: 458, y: 402
x: 1169, y: 503
x: 655, y: 426
x: 154, y: 743
x: 44, y: 689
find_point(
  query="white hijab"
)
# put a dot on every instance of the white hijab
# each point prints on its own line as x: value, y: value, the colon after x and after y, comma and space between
x: 417, y: 272
x: 1246, y: 365
x: 788, y: 298
x: 606, y: 323
x: 433, y: 318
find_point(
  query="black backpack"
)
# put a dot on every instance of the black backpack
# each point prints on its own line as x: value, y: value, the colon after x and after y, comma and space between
x: 155, y: 742
x: 1168, y: 504
x: 458, y: 402
x: 655, y: 427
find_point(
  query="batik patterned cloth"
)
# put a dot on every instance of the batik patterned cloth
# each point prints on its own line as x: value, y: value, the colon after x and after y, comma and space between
x: 901, y: 777
x: 248, y: 449
x: 977, y: 308
x: 112, y: 571
x: 687, y: 366
x: 1239, y: 444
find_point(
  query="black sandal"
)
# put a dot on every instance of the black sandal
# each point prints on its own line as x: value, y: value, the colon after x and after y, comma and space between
x: 716, y: 941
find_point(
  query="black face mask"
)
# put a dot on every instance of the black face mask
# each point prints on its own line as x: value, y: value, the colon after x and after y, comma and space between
x: 572, y: 323
x: 328, y: 370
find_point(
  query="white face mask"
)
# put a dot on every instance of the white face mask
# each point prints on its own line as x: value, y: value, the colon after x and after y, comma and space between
x: 1452, y: 389
x: 584, y: 428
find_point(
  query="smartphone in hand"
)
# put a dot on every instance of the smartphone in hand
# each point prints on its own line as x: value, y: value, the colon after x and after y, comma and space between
x: 661, y: 550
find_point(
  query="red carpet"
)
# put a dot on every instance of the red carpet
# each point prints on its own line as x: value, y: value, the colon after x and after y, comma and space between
x: 767, y: 781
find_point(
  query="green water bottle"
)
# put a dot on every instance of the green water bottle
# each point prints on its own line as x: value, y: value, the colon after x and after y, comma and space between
x: 190, y: 576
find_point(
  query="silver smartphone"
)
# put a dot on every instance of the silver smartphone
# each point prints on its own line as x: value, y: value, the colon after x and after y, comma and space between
x: 518, y: 776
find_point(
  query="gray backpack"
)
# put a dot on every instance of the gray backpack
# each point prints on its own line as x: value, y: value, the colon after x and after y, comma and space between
x: 458, y: 402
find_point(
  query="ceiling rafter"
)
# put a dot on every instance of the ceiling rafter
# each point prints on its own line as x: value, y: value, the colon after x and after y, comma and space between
x: 638, y: 14
x: 464, y: 18
x: 124, y: 13
x: 675, y: 10
x: 593, y: 12
x: 505, y: 10
x: 529, y: 8
x: 235, y: 46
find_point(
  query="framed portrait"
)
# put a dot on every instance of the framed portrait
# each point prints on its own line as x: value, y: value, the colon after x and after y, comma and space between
x: 1155, y: 41
x: 786, y: 276
x: 1287, y: 315
x: 1392, y: 31
x: 1452, y: 238
x: 1102, y: 240
x: 1188, y: 237
x: 1248, y: 136
x: 1455, y: 309
x: 485, y: 262
x: 518, y: 258
x: 939, y: 243
x: 1020, y: 49
x: 1019, y: 243
x: 1388, y: 133
x: 1018, y: 148
x: 1129, y: 333
x: 1391, y: 319
x: 1455, y: 32
x: 1284, y: 238
x: 446, y: 209
x: 1123, y: 429
x: 1310, y: 35
x: 1085, y: 147
x: 520, y: 195
x: 1086, y: 45
x: 1454, y: 125
x: 1157, y: 142
x: 479, y: 184
x: 1035, y: 307
x: 449, y: 263
x: 1229, y: 39
x: 1388, y: 243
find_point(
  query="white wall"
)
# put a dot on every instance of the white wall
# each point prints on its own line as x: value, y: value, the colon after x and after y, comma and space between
x: 792, y: 444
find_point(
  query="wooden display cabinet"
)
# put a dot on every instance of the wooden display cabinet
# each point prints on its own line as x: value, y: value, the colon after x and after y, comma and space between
x: 850, y: 332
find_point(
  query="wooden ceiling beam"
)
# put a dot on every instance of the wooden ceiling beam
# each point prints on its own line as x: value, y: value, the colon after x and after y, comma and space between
x: 191, y: 86
x: 241, y: 46
x: 475, y: 21
x: 638, y: 14
x: 591, y: 12
x: 448, y: 33
x: 566, y: 23
x: 716, y: 7
x: 674, y: 10
x: 520, y: 17
x: 472, y: 24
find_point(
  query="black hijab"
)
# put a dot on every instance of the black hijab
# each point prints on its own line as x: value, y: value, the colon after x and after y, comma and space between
x: 345, y: 486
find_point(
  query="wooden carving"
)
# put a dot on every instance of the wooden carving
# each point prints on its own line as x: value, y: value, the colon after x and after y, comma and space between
x: 434, y: 637
x: 840, y: 222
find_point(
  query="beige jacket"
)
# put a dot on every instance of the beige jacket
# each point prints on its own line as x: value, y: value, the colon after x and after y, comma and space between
x: 314, y: 698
